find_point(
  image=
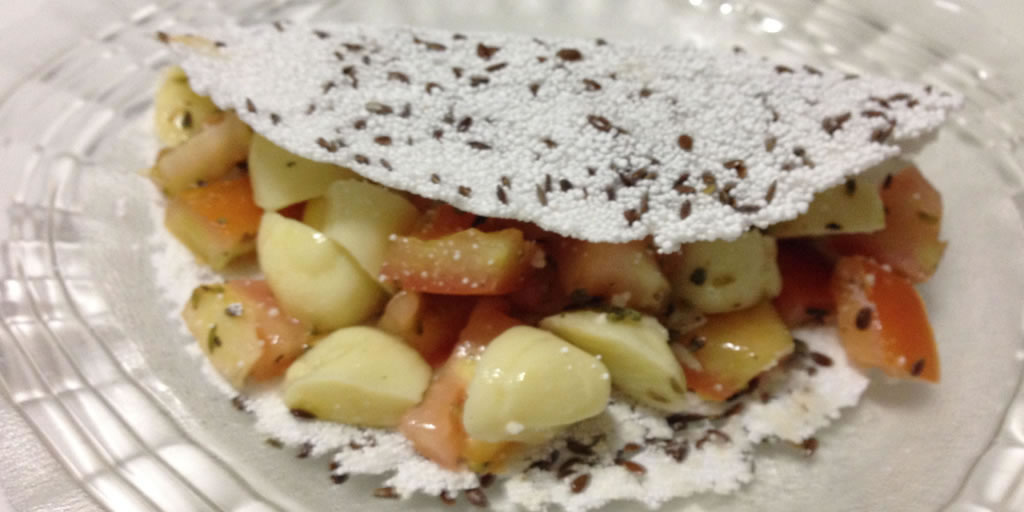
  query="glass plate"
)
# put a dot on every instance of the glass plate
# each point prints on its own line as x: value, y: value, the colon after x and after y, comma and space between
x: 92, y: 360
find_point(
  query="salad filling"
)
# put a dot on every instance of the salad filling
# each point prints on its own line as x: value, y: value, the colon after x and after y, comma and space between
x: 450, y: 339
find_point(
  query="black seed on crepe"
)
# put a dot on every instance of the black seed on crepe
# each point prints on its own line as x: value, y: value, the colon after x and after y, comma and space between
x: 433, y: 86
x: 591, y: 85
x: 685, y: 209
x: 476, y: 497
x: 465, y: 191
x: 534, y: 87
x: 821, y: 359
x: 486, y: 52
x: 809, y: 446
x: 274, y: 442
x: 580, y: 483
x: 601, y: 123
x: 250, y: 106
x: 447, y: 497
x: 678, y: 451
x: 381, y: 109
x: 305, y: 450
x: 398, y: 76
x: 812, y: 70
x: 496, y: 67
x: 362, y: 159
x: 633, y: 467
x: 478, y: 80
x: 486, y: 480
x: 382, y: 140
x: 685, y: 142
x: 783, y: 69
x: 339, y: 479
x: 710, y: 435
x: 833, y: 124
x: 542, y: 196
x: 569, y: 54
x: 464, y: 124
x: 478, y: 145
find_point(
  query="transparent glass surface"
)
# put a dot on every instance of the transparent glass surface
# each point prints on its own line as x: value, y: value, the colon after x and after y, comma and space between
x: 91, y: 359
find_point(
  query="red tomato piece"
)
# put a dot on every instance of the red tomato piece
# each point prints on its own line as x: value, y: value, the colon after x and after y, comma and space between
x: 218, y: 222
x: 469, y: 262
x: 428, y: 323
x: 490, y: 317
x: 882, y: 320
x: 605, y: 270
x: 805, y: 295
x: 435, y: 425
x: 910, y: 241
x: 284, y: 337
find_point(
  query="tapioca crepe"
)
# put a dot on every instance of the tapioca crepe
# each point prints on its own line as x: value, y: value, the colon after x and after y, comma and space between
x: 596, y: 140
x: 590, y: 139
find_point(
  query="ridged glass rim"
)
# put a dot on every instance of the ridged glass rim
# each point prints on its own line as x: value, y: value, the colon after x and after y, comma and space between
x: 975, y: 491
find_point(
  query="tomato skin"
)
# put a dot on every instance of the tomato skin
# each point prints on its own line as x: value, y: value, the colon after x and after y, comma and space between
x: 284, y: 337
x: 805, y: 296
x: 429, y: 323
x: 882, y: 320
x: 490, y: 318
x: 469, y: 262
x: 435, y: 425
x: 910, y: 241
x: 736, y: 347
x: 218, y: 222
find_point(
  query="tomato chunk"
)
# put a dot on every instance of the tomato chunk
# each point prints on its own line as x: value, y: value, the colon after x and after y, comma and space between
x: 805, y: 295
x: 735, y: 347
x: 284, y: 337
x: 882, y: 320
x: 469, y: 262
x: 435, y: 425
x: 490, y: 317
x: 607, y: 270
x: 429, y: 323
x: 910, y: 241
x: 243, y: 331
x: 218, y: 222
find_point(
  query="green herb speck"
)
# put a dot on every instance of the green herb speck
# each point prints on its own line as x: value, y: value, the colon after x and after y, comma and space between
x: 212, y: 340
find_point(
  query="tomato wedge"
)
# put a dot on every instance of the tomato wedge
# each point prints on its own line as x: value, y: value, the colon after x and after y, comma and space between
x: 910, y: 241
x: 435, y: 425
x: 218, y: 222
x: 469, y: 262
x: 429, y: 323
x: 805, y: 296
x: 882, y: 320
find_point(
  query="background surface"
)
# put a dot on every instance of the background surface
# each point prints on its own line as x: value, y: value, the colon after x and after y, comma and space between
x: 31, y: 479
